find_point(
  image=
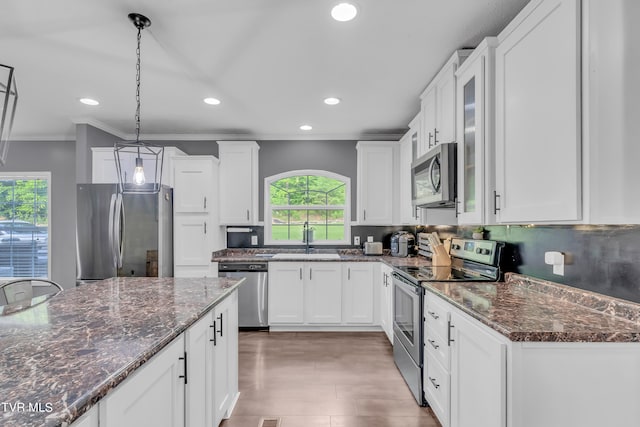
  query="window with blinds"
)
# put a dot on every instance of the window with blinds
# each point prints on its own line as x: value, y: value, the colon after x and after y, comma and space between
x: 24, y: 225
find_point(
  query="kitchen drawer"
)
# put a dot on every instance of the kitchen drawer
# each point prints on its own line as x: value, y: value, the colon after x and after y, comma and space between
x: 436, y: 389
x: 436, y: 314
x: 436, y: 346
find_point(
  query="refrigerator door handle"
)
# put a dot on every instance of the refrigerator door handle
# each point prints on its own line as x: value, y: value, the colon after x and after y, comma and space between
x: 111, y: 234
x: 119, y: 229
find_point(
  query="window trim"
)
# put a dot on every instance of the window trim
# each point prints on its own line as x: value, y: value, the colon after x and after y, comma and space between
x: 267, y: 207
x: 44, y: 175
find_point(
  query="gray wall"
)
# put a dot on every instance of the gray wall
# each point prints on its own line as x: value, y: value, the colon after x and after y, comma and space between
x: 281, y: 156
x: 58, y: 158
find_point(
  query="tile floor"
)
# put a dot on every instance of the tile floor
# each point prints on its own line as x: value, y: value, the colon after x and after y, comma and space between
x: 320, y: 379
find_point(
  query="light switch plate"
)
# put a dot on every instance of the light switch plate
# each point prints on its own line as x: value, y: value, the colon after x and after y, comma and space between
x: 254, y: 240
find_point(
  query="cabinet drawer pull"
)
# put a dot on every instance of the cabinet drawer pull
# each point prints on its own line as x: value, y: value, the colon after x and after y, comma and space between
x: 205, y: 202
x: 434, y: 315
x: 247, y: 214
x: 435, y: 384
x: 300, y: 273
x: 205, y: 227
x: 349, y: 273
x: 449, y: 339
x: 364, y: 213
x: 220, y: 317
x: 213, y: 340
x: 496, y: 196
x: 435, y: 136
x: 185, y: 367
x: 433, y: 344
x: 310, y: 273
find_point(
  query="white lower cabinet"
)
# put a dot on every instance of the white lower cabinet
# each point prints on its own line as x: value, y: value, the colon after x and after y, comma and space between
x: 464, y: 369
x: 225, y: 357
x: 322, y: 294
x: 386, y: 301
x: 492, y: 381
x: 153, y: 395
x: 358, y: 293
x: 478, y: 374
x: 286, y: 293
x: 193, y: 382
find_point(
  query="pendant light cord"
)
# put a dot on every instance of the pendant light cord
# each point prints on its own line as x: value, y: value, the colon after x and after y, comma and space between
x: 138, y: 89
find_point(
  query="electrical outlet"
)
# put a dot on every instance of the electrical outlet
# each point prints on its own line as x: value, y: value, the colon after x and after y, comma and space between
x: 356, y: 240
x: 254, y: 240
x: 369, y: 238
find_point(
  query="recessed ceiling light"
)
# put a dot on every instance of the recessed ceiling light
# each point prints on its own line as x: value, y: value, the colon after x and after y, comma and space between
x: 89, y: 101
x: 212, y: 101
x: 332, y: 101
x: 344, y: 12
x: 306, y: 127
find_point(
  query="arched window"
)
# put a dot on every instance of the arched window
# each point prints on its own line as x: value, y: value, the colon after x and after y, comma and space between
x: 320, y: 198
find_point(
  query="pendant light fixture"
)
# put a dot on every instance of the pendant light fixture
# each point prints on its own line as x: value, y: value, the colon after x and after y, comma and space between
x: 7, y: 108
x: 139, y: 164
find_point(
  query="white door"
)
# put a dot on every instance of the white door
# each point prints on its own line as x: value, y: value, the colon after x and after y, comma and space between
x: 323, y: 292
x: 446, y: 107
x: 538, y: 142
x: 286, y: 292
x: 236, y: 185
x: 478, y: 376
x: 152, y: 396
x: 191, y: 244
x: 358, y: 292
x: 199, y: 388
x: 192, y: 181
x: 471, y: 143
x: 428, y: 109
x: 375, y: 183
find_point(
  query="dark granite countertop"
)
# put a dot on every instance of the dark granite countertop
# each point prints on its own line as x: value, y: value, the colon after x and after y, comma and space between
x: 68, y: 351
x: 527, y: 309
x: 346, y: 255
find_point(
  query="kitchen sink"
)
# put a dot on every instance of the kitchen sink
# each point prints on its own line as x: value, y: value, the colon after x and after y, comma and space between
x: 305, y: 256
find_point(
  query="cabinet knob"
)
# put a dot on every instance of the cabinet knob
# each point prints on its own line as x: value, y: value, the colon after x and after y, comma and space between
x: 435, y: 384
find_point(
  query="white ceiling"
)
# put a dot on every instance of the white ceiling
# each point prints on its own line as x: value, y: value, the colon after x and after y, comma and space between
x: 270, y: 62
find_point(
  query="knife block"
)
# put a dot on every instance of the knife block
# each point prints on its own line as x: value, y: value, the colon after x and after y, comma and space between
x: 440, y: 257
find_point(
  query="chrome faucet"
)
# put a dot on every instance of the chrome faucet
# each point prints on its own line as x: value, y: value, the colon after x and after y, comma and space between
x: 305, y: 235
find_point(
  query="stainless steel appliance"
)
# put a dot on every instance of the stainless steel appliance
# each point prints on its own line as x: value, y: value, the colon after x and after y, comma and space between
x: 372, y: 248
x: 471, y: 260
x: 433, y: 177
x: 123, y: 234
x: 252, y: 294
x: 402, y: 244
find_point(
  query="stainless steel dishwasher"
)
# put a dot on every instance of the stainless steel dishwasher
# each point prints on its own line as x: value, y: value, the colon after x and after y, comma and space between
x: 252, y: 294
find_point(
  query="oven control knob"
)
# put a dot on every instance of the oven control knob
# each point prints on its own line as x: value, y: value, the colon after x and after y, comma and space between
x: 456, y: 247
x: 486, y: 251
x: 479, y: 251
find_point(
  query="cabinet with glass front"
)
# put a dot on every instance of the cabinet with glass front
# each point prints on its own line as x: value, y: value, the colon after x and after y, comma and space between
x: 475, y: 118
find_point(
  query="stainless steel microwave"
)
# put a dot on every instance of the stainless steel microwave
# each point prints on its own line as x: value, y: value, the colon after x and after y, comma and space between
x: 433, y: 177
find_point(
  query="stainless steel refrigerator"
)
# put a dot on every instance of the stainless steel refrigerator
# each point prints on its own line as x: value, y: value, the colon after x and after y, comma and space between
x: 123, y: 234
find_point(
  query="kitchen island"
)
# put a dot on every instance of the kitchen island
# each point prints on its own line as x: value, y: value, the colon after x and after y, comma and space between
x: 60, y: 357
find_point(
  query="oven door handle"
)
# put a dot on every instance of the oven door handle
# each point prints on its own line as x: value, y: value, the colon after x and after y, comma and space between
x: 415, y: 288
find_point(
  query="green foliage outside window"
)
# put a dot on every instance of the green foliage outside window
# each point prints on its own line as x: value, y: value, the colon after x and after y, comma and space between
x: 316, y: 199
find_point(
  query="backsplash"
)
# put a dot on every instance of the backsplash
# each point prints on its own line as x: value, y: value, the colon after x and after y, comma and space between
x: 599, y: 258
x: 380, y: 234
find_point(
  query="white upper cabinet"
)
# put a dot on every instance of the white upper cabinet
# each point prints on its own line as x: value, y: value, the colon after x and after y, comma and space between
x: 376, y: 179
x: 438, y: 105
x: 238, y: 182
x: 103, y: 165
x: 193, y: 181
x: 475, y: 123
x: 538, y: 147
x: 408, y: 213
x: 611, y: 89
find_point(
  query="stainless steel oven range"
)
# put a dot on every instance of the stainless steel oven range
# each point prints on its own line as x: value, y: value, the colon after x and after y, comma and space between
x: 471, y: 260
